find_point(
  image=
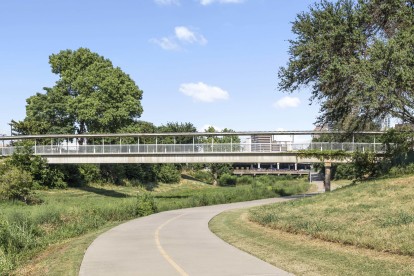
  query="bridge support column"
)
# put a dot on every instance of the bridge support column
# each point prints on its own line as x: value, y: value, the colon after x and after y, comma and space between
x: 327, y: 181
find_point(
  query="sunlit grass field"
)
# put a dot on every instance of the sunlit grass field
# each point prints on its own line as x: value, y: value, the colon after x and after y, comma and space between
x: 26, y: 232
x: 361, y: 229
x: 377, y: 215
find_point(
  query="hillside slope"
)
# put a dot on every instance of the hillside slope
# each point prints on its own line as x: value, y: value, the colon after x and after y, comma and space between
x: 377, y: 215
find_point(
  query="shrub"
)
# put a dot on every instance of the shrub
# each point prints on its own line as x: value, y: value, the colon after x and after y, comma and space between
x: 203, y: 176
x: 90, y: 173
x: 227, y: 180
x: 244, y: 180
x: 16, y: 184
x: 402, y: 170
x: 344, y: 171
x: 265, y: 180
x: 145, y: 205
x: 168, y: 173
x: 41, y: 173
x: 113, y: 173
x: 366, y: 164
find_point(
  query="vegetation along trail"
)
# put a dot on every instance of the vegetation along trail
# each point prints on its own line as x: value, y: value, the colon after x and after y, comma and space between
x: 173, y: 243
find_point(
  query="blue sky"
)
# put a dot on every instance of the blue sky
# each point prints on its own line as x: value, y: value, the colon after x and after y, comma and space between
x: 208, y: 62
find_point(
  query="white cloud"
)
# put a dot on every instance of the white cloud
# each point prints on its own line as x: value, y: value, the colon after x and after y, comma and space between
x: 208, y: 2
x: 202, y: 92
x: 167, y: 2
x: 184, y: 34
x: 287, y: 102
x: 166, y: 43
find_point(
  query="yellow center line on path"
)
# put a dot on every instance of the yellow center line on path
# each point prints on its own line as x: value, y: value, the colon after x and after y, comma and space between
x: 163, y: 252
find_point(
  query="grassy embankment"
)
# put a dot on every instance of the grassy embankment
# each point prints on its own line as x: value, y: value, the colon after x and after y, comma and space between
x: 51, y: 238
x: 363, y: 229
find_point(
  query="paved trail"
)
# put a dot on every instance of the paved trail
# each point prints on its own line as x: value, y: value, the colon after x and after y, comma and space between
x: 172, y: 243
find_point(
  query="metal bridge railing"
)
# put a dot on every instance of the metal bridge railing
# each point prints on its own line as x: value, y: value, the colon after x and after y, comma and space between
x: 196, y: 148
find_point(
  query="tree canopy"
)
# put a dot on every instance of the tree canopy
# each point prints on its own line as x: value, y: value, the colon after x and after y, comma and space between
x: 358, y: 59
x: 90, y: 96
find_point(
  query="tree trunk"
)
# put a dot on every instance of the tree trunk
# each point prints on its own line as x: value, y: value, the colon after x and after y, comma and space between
x: 327, y: 181
x: 215, y: 182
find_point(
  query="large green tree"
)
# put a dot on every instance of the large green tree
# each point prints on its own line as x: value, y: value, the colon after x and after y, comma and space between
x: 90, y: 96
x: 358, y: 59
x: 175, y: 127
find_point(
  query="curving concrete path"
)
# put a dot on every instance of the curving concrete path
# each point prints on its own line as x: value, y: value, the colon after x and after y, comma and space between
x: 173, y: 243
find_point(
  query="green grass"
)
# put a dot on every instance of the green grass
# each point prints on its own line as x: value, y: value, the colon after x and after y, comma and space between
x: 303, y: 255
x: 63, y: 258
x: 362, y: 229
x: 377, y: 215
x: 26, y: 232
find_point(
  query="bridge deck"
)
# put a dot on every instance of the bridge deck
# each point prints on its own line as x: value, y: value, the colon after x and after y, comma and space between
x: 189, y: 153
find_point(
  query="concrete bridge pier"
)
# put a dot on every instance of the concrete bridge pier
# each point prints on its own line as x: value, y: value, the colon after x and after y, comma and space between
x: 327, y: 182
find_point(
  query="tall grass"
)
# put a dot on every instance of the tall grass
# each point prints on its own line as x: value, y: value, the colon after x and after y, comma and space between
x: 377, y: 215
x: 26, y: 230
x: 261, y: 187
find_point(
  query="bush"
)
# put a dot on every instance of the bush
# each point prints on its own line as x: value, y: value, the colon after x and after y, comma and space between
x: 168, y: 173
x: 90, y: 173
x: 227, y: 180
x: 244, y: 180
x: 265, y: 180
x: 16, y: 184
x: 40, y: 171
x: 145, y: 205
x: 203, y: 176
x: 113, y: 173
x: 366, y: 164
x: 344, y: 171
x: 401, y: 170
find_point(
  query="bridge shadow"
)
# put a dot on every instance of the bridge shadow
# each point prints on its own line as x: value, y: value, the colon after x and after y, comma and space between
x: 171, y: 196
x: 104, y: 192
x: 187, y: 177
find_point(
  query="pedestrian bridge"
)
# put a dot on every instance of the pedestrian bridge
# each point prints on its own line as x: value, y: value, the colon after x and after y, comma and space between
x: 202, y: 148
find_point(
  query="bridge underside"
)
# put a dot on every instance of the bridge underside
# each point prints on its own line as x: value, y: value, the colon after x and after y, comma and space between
x: 179, y: 158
